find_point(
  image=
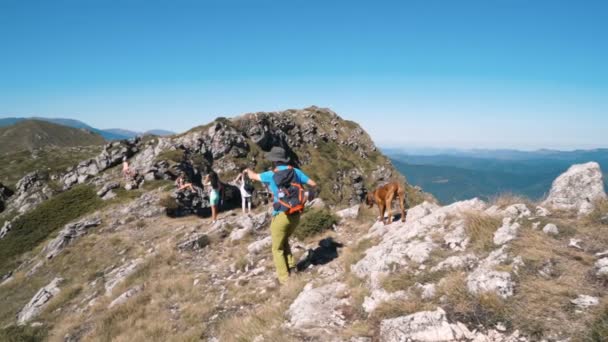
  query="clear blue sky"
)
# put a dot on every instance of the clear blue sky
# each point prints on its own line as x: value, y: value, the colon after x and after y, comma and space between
x: 503, y: 73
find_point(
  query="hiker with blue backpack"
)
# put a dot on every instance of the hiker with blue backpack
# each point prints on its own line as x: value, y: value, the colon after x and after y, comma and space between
x: 286, y: 184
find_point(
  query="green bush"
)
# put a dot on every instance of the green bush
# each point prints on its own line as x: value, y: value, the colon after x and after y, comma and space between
x: 313, y: 222
x: 23, y: 334
x: 35, y: 226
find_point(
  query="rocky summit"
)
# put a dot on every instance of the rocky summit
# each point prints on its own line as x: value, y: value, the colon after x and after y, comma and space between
x: 109, y: 250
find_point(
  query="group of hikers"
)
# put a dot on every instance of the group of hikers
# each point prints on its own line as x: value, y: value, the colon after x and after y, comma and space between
x: 285, y: 184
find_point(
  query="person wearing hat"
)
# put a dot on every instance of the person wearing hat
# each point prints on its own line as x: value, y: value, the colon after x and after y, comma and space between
x: 282, y: 225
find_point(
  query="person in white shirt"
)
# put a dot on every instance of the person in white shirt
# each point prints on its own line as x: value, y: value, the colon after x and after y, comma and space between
x: 246, y: 188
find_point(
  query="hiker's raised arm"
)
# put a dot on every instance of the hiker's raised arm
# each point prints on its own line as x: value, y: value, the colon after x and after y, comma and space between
x: 311, y: 183
x: 253, y: 175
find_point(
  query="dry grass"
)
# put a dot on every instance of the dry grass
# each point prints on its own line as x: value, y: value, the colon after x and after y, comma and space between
x: 266, y: 319
x: 352, y: 255
x: 480, y: 228
x: 486, y: 309
x: 506, y: 199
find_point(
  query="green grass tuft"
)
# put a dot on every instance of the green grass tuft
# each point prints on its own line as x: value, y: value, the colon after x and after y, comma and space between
x: 35, y: 226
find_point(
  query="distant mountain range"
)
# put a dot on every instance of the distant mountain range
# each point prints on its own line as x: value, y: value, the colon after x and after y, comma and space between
x: 453, y: 175
x: 33, y: 134
x: 107, y: 134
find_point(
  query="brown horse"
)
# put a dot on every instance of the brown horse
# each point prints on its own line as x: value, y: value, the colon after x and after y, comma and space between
x: 383, y: 196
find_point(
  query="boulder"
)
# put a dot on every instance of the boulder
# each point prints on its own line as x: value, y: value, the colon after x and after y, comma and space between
x: 30, y: 191
x: 260, y: 245
x: 486, y: 279
x: 601, y: 267
x: 316, y: 203
x: 348, y: 213
x: 107, y: 188
x: 577, y: 189
x: 194, y: 242
x: 584, y: 302
x: 39, y: 301
x: 118, y: 275
x: 132, y: 292
x: 68, y: 234
x: 506, y: 232
x: 318, y: 308
x: 430, y: 326
x: 550, y: 229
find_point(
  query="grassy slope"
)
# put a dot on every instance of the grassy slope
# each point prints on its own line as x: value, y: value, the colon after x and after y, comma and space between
x: 35, y: 226
x: 49, y: 159
x: 31, y: 134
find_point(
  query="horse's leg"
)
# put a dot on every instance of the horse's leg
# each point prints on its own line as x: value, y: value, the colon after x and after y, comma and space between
x: 402, y: 204
x: 389, y: 205
x: 381, y: 209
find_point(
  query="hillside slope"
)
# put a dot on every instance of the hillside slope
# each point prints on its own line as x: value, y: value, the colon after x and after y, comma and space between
x: 33, y: 134
x: 508, y: 271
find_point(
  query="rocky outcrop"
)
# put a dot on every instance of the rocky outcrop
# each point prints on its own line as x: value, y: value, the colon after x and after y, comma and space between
x: 577, y: 189
x: 486, y: 279
x: 405, y: 245
x: 434, y: 326
x: 68, y: 234
x: 123, y: 298
x: 30, y: 191
x: 319, y: 308
x: 193, y: 242
x: 423, y: 326
x: 349, y: 213
x: 118, y: 275
x: 506, y: 232
x: 39, y: 301
x: 112, y: 155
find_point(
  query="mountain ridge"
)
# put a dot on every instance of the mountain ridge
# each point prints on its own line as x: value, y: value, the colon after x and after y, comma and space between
x: 108, y: 134
x: 33, y: 134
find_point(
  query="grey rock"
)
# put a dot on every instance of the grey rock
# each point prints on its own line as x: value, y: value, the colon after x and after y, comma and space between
x: 194, y: 242
x: 423, y: 326
x: 575, y: 243
x: 118, y: 275
x: 584, y: 302
x: 123, y: 298
x: 487, y: 280
x: 349, y: 213
x: 260, y: 245
x: 39, y: 301
x: 601, y: 267
x: 107, y: 188
x: 550, y: 229
x: 506, y: 232
x: 577, y: 189
x: 68, y: 234
x: 318, y: 308
x: 31, y: 190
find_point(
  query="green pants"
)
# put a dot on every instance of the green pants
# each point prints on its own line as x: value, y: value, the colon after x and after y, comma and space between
x: 281, y: 228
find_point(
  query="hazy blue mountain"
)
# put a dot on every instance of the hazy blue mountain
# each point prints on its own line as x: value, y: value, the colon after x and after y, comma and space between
x: 487, y: 173
x: 159, y: 132
x: 122, y: 132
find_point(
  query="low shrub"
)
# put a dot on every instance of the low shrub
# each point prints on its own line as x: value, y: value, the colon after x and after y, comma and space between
x: 313, y: 222
x: 35, y: 226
